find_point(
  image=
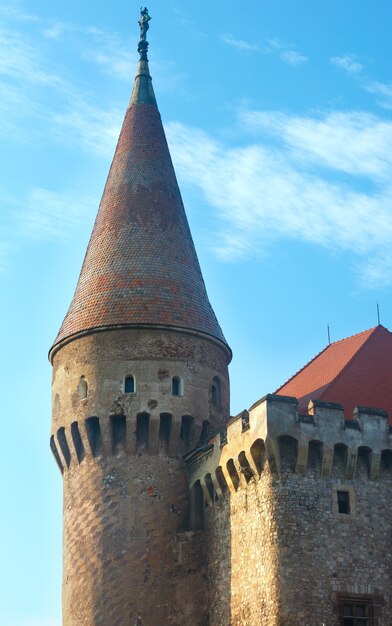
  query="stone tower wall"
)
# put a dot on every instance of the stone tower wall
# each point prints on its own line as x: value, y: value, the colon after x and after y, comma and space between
x: 275, y: 536
x: 128, y: 555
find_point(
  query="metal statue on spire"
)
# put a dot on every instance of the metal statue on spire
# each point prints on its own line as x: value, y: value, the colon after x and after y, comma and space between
x: 144, y: 26
x: 144, y: 23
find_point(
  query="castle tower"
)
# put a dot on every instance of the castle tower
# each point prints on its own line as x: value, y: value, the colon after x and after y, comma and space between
x: 139, y: 377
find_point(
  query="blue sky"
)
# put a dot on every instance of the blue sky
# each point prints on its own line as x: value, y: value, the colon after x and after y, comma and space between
x: 279, y: 118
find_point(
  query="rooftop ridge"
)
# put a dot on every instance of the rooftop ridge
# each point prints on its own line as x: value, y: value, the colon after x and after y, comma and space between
x: 355, y: 356
x: 333, y: 343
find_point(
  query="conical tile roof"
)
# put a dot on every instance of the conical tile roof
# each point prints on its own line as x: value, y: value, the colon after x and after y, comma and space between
x: 356, y: 371
x: 141, y: 267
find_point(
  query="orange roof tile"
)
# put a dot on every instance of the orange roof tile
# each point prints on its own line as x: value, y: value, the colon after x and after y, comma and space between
x: 356, y: 371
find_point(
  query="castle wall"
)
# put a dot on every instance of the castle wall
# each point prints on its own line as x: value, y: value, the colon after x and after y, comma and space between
x: 278, y: 537
x: 242, y: 550
x: 129, y: 557
x: 324, y: 554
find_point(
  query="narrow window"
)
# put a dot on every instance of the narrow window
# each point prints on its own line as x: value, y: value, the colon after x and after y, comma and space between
x: 221, y: 480
x: 205, y: 432
x: 211, y: 488
x: 82, y: 388
x: 197, y: 506
x: 246, y: 469
x: 77, y: 441
x: 56, y: 454
x: 177, y: 386
x: 216, y: 392
x: 257, y: 452
x: 119, y: 432
x: 165, y: 430
x: 235, y: 479
x: 142, y: 430
x: 186, y: 433
x: 61, y: 438
x: 94, y: 436
x: 129, y: 384
x: 343, y: 502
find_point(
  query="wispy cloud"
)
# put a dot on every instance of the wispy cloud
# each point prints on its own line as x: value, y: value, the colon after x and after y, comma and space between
x: 241, y: 44
x: 348, y: 63
x: 45, y: 215
x: 293, y: 58
x: 273, y: 190
x: 92, y: 128
x: 287, y: 52
x: 41, y: 215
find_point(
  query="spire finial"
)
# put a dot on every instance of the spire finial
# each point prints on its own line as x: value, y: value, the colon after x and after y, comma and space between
x: 144, y: 26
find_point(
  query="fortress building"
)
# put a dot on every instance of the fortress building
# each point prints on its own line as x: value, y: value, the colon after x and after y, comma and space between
x: 176, y: 514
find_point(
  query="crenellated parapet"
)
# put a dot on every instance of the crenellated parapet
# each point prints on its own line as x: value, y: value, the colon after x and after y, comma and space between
x: 117, y: 435
x: 273, y: 432
x: 136, y: 392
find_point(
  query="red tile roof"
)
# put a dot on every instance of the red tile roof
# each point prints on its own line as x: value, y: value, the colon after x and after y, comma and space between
x: 356, y: 371
x: 141, y: 266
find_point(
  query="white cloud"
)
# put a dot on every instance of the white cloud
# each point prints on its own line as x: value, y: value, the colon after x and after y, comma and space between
x: 355, y: 142
x: 293, y: 58
x: 286, y: 52
x: 45, y: 215
x: 20, y: 60
x: 348, y: 63
x: 93, y: 129
x: 275, y: 191
x: 241, y: 44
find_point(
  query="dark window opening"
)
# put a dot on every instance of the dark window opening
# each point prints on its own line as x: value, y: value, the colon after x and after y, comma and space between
x: 129, y: 384
x: 356, y: 612
x: 56, y: 454
x: 205, y: 432
x: 257, y: 451
x: 211, y: 488
x: 176, y: 386
x: 315, y: 456
x: 165, y: 430
x: 288, y: 450
x: 221, y: 480
x: 246, y: 469
x: 245, y: 421
x: 386, y: 462
x: 77, y: 441
x: 197, y: 506
x: 343, y: 502
x: 186, y: 433
x: 235, y: 479
x: 142, y: 430
x: 63, y: 443
x: 216, y: 392
x: 339, y: 462
x: 363, y: 462
x: 94, y: 436
x: 119, y: 433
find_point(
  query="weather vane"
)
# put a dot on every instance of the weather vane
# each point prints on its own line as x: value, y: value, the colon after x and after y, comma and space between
x: 144, y: 26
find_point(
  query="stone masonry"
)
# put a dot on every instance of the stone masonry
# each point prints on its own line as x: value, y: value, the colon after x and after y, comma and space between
x: 279, y: 551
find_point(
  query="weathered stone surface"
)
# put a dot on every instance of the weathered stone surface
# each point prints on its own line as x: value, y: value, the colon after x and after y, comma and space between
x: 129, y: 557
x: 279, y: 551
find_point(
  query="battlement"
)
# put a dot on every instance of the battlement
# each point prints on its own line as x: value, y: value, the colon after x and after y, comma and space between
x: 118, y: 435
x: 274, y: 432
